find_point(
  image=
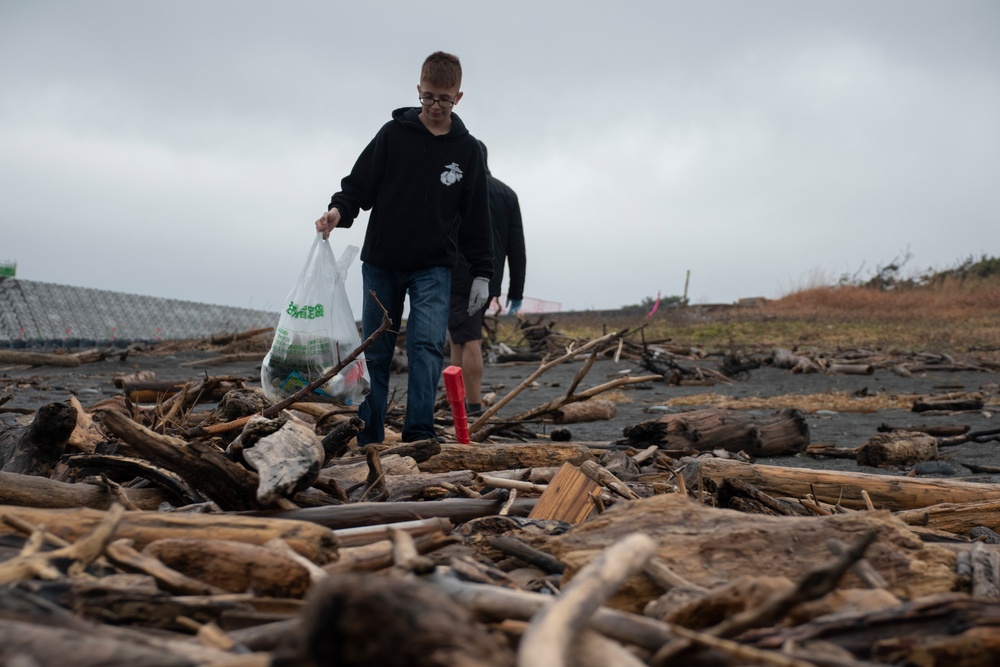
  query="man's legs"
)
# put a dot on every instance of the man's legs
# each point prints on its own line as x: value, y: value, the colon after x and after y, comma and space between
x: 466, y: 333
x: 472, y: 373
x: 390, y: 293
x: 426, y: 328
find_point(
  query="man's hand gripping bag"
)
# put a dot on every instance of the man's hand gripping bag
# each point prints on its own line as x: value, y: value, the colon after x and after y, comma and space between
x: 315, y: 331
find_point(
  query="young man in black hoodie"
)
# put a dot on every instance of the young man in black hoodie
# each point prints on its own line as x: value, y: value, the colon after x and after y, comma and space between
x: 424, y: 179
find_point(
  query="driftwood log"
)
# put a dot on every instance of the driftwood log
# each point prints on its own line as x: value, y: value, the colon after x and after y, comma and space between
x: 937, y: 430
x: 773, y: 607
x: 202, y: 465
x: 356, y: 473
x: 42, y: 492
x: 489, y: 457
x: 783, y: 432
x: 163, y: 479
x: 843, y: 488
x: 384, y: 555
x: 949, y: 403
x: 144, y: 390
x: 796, y: 363
x: 232, y: 565
x: 959, y: 518
x: 946, y: 629
x: 427, y: 486
x: 121, y: 553
x: 605, y: 478
x: 313, y: 541
x: 710, y: 547
x: 336, y: 441
x: 456, y: 510
x: 496, y: 602
x: 595, y: 409
x: 89, y: 647
x: 38, y: 359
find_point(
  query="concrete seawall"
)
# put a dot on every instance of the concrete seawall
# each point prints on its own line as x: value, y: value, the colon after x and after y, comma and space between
x: 37, y: 314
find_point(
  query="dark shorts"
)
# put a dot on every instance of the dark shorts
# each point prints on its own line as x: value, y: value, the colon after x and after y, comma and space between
x: 461, y: 327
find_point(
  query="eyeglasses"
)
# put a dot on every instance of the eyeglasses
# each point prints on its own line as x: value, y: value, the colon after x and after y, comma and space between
x: 429, y: 101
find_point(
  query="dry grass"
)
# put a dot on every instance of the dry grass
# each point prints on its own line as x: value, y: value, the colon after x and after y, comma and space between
x: 951, y: 301
x: 837, y: 401
x: 616, y: 396
x: 952, y: 316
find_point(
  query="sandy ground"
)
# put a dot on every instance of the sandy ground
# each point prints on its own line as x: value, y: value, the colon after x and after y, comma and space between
x: 30, y: 388
x: 838, y: 427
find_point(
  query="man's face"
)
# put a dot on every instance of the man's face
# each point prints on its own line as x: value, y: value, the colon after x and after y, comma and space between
x: 437, y: 102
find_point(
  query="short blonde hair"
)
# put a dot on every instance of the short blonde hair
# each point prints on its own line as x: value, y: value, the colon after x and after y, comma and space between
x: 442, y: 69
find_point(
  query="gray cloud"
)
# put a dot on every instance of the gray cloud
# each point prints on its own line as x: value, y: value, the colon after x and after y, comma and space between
x: 183, y: 149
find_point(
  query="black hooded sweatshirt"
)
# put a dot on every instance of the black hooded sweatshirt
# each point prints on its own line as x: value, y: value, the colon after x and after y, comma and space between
x: 425, y: 192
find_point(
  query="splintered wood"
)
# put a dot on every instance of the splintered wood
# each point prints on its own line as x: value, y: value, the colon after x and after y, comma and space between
x: 567, y: 498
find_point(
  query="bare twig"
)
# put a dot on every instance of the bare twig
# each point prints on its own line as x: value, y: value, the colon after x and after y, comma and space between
x: 84, y: 551
x: 492, y: 410
x: 547, y: 641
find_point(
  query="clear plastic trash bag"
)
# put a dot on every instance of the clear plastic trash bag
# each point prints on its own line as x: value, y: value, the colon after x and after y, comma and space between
x: 315, y: 332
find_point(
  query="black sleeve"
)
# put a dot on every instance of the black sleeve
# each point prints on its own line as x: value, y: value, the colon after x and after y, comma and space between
x: 516, y: 254
x: 359, y: 188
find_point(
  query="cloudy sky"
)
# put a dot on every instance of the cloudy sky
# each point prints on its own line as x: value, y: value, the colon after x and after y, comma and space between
x: 184, y: 148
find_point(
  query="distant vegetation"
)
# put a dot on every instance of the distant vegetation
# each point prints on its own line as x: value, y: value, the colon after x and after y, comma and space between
x: 890, y: 276
x: 950, y: 310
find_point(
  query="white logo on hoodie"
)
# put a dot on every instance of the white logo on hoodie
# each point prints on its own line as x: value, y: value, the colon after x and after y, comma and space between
x: 452, y: 174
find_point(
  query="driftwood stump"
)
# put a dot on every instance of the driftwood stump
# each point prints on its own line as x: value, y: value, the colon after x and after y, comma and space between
x: 783, y: 432
x: 36, y: 449
x: 361, y: 619
x: 896, y: 449
x: 286, y: 454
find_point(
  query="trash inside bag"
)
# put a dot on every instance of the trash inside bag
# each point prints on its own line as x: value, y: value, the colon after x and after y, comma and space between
x: 315, y: 333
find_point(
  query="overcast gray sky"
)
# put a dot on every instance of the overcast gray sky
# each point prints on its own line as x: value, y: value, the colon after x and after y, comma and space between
x: 184, y: 148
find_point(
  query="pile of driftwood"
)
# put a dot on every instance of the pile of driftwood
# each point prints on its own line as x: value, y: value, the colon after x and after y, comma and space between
x: 685, y: 365
x: 202, y: 525
x: 866, y: 362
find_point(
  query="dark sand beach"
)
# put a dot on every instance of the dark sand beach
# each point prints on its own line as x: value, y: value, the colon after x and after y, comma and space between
x: 31, y: 387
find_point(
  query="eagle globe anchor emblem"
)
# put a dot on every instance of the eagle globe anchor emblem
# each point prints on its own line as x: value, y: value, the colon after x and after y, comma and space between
x: 452, y: 174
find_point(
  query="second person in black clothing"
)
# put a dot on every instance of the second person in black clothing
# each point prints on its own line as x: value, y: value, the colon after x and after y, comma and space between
x: 466, y: 330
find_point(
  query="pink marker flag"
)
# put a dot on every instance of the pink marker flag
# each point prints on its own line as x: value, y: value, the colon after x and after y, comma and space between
x: 655, y: 306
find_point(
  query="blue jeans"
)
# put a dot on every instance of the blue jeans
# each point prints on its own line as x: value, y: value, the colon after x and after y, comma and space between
x: 426, y: 329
